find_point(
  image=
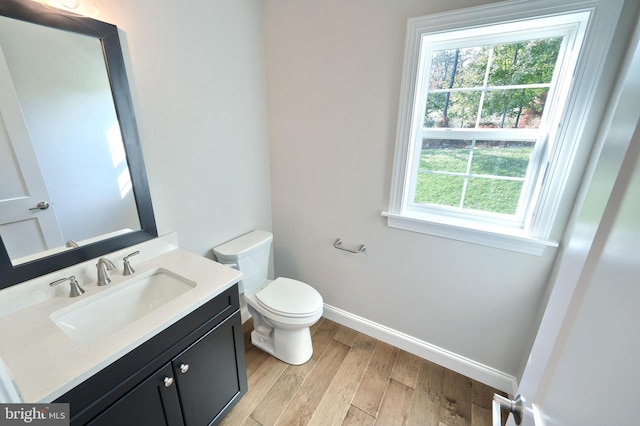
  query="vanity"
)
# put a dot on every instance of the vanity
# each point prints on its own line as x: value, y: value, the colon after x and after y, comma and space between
x: 162, y: 345
x: 193, y: 368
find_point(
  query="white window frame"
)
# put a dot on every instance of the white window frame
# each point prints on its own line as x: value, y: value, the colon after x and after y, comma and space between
x: 530, y: 232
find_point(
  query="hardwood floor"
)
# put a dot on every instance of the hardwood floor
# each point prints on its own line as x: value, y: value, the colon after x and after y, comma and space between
x: 354, y: 379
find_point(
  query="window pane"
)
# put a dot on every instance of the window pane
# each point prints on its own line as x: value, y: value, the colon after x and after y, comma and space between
x: 515, y: 108
x: 458, y: 68
x: 501, y: 158
x: 492, y: 195
x: 445, y: 155
x: 439, y: 189
x: 525, y: 62
x: 457, y: 109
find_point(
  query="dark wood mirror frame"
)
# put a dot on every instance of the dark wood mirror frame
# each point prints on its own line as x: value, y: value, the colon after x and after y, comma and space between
x: 107, y: 34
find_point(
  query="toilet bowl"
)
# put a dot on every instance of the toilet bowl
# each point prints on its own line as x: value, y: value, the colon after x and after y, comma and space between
x: 282, y: 309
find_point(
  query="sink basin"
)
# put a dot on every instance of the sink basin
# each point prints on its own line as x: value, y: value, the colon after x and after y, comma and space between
x: 96, y: 317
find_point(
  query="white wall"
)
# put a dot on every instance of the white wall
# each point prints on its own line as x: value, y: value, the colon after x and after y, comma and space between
x: 196, y: 71
x: 333, y: 80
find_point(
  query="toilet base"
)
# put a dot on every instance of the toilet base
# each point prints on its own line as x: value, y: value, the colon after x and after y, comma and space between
x: 291, y: 346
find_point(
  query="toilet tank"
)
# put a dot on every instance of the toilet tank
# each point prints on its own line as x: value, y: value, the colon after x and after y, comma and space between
x: 250, y: 252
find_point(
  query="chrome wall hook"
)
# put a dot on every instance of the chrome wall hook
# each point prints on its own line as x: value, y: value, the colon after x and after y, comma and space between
x: 338, y: 244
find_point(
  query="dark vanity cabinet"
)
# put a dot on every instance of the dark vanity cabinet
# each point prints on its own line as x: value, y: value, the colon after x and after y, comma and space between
x: 153, y: 402
x: 201, y: 370
x: 190, y: 374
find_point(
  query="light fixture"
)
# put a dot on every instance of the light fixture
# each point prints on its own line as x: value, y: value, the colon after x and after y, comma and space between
x: 86, y: 8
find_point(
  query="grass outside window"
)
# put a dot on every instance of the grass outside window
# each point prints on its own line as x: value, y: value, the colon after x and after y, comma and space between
x: 477, y: 175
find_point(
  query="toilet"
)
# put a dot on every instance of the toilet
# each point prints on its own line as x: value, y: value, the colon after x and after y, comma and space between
x: 282, y: 309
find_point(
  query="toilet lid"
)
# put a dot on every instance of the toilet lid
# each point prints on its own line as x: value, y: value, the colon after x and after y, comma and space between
x: 288, y: 297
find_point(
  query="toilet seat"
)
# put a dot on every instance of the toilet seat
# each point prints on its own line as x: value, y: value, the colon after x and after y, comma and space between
x: 289, y: 298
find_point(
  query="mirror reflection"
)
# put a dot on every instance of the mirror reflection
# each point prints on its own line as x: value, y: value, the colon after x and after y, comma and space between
x: 65, y: 178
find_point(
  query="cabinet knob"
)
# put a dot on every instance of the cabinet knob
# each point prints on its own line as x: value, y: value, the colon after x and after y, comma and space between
x: 184, y: 368
x: 168, y: 381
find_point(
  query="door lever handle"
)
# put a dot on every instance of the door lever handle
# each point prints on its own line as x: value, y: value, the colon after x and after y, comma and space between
x: 42, y: 205
x: 515, y: 407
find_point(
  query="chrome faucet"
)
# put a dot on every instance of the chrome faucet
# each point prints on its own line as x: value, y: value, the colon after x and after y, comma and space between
x: 103, y: 266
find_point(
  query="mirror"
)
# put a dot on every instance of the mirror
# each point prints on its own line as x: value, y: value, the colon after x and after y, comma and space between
x: 74, y: 175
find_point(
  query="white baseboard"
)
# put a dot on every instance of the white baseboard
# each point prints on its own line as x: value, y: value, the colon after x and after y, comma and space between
x: 465, y: 366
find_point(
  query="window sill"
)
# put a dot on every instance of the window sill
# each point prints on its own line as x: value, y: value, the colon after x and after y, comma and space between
x: 475, y: 233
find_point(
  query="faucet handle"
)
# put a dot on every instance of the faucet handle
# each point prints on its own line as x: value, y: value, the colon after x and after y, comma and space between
x: 75, y: 290
x: 128, y: 270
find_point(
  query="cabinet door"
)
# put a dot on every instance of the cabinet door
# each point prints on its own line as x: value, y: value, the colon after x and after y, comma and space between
x: 153, y: 402
x: 211, y: 373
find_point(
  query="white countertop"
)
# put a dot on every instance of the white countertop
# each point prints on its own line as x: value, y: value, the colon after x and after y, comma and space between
x: 45, y: 363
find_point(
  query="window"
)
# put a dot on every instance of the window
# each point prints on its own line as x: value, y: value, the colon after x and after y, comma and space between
x: 485, y: 133
x: 490, y: 100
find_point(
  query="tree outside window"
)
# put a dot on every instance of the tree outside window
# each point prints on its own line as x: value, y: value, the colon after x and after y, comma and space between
x: 495, y: 86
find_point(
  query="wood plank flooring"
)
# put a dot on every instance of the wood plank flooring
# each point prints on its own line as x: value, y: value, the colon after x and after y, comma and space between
x: 354, y: 379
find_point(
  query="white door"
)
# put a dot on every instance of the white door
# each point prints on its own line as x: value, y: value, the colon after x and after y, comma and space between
x: 28, y: 222
x: 583, y: 367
